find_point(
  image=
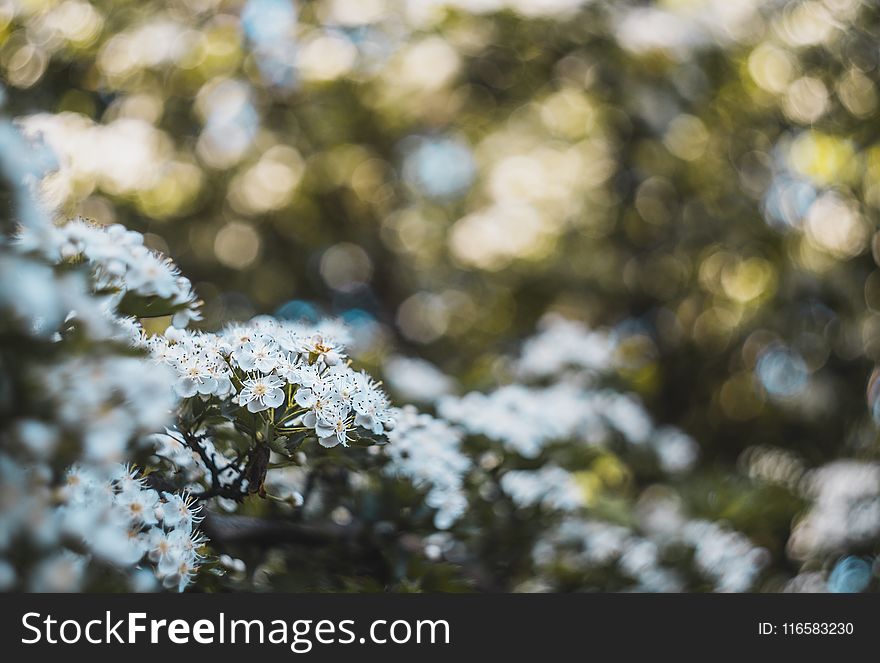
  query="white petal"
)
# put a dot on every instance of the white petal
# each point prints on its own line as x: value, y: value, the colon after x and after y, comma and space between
x: 186, y: 388
x: 256, y: 406
x: 304, y: 397
x: 274, y: 398
x: 207, y: 386
x: 323, y: 430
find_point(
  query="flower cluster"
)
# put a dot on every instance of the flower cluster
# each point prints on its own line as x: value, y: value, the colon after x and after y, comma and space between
x: 526, y: 419
x: 727, y: 557
x: 416, y: 380
x: 34, y: 297
x: 108, y: 401
x: 567, y: 359
x: 426, y: 451
x: 844, y: 510
x: 581, y: 545
x: 122, y: 521
x: 121, y: 265
x: 523, y: 418
x: 722, y: 556
x: 552, y: 487
x: 565, y: 344
x: 79, y: 396
x: 294, y: 372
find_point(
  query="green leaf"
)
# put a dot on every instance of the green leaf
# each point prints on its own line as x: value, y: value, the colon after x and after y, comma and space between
x: 140, y: 306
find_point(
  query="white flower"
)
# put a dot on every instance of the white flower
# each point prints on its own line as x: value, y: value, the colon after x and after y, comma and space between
x: 219, y: 373
x: 416, y: 379
x: 140, y: 505
x: 305, y: 397
x: 323, y: 347
x: 308, y: 375
x: 176, y: 573
x: 561, y: 344
x: 179, y: 511
x: 125, y: 479
x: 343, y: 381
x: 160, y: 547
x: 288, y: 367
x: 116, y: 543
x: 331, y: 422
x: 372, y: 412
x: 427, y: 451
x: 261, y: 355
x: 150, y: 275
x: 550, y: 486
x: 261, y: 393
x: 195, y: 378
x: 676, y: 451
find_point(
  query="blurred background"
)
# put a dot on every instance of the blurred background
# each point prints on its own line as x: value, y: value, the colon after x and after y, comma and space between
x: 701, y: 176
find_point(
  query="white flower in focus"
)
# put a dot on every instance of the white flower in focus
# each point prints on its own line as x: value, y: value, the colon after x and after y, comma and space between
x: 331, y: 423
x: 288, y: 367
x: 323, y: 347
x: 195, y: 379
x: 312, y: 396
x: 372, y: 412
x: 258, y: 355
x: 261, y: 393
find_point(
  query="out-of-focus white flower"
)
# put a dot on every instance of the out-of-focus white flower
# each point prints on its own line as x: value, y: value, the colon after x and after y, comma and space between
x: 844, y: 509
x: 110, y: 401
x: 124, y: 522
x: 566, y: 359
x: 416, y: 379
x: 427, y: 451
x: 62, y: 572
x: 562, y: 344
x: 550, y: 486
x: 676, y: 451
x: 122, y: 264
x: 725, y: 557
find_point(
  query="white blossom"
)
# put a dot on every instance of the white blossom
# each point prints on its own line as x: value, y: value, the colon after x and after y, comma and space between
x: 261, y: 393
x: 426, y: 451
x: 551, y: 486
x: 124, y: 522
